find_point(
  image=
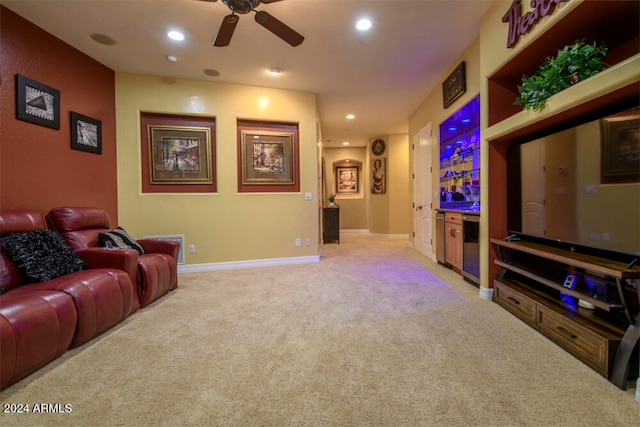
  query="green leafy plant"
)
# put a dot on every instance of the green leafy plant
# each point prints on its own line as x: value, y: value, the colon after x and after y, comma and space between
x: 573, y: 63
x: 332, y: 197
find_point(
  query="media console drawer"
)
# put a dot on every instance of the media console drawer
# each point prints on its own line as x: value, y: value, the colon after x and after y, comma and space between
x: 515, y: 302
x: 583, y: 343
x: 595, y: 345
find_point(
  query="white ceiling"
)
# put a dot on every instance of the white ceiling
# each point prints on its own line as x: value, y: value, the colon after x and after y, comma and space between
x: 381, y: 76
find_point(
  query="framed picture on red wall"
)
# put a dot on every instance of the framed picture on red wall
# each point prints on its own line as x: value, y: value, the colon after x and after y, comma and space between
x: 37, y: 103
x: 86, y: 133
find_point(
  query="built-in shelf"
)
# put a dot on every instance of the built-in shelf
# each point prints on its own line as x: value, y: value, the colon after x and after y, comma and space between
x: 615, y: 85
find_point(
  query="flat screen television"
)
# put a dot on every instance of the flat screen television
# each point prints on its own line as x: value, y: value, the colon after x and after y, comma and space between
x: 579, y: 186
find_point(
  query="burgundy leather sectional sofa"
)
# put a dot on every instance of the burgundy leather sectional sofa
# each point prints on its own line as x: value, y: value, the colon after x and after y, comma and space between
x: 40, y: 321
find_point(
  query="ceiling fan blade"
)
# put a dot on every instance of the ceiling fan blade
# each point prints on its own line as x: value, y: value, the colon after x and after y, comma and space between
x: 279, y: 28
x: 226, y: 30
x: 267, y: 1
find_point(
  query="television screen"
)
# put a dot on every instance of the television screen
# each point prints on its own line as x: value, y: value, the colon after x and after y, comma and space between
x: 580, y: 185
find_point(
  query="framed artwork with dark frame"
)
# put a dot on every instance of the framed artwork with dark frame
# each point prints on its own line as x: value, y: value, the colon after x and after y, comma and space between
x: 178, y: 153
x: 347, y: 180
x: 268, y: 157
x: 620, y: 149
x: 454, y: 86
x: 379, y: 175
x: 86, y: 133
x: 37, y: 103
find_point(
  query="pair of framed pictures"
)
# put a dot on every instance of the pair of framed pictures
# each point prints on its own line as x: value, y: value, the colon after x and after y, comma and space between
x: 40, y: 104
x: 179, y: 150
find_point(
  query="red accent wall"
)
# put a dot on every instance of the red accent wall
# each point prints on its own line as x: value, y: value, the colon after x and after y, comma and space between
x: 38, y: 168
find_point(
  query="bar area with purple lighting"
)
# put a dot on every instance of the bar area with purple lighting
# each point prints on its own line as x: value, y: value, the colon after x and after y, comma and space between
x: 458, y: 218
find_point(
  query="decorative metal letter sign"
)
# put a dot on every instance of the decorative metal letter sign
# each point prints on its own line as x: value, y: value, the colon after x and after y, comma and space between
x: 520, y: 24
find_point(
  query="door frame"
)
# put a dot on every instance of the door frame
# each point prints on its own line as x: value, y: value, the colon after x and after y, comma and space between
x: 423, y: 219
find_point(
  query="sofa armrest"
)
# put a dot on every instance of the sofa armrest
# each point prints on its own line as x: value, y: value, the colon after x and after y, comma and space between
x: 120, y: 259
x: 169, y: 247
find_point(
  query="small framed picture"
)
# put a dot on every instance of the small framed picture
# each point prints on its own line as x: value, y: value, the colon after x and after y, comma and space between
x: 86, y: 133
x: 347, y: 179
x: 454, y: 86
x: 37, y: 103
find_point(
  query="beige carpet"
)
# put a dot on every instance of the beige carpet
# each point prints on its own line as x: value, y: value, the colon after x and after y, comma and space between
x: 373, y: 335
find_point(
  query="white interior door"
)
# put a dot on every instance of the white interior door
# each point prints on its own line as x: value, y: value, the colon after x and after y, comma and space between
x: 532, y: 166
x: 422, y: 209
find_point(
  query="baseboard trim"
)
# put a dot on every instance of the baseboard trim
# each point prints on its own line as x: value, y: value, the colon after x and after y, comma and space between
x: 390, y: 236
x: 232, y: 265
x: 486, y: 293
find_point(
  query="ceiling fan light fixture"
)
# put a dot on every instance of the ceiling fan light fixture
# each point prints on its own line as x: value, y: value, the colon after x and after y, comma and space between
x: 241, y: 6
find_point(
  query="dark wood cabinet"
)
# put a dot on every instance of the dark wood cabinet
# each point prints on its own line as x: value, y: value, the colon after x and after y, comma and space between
x: 331, y: 224
x: 550, y: 288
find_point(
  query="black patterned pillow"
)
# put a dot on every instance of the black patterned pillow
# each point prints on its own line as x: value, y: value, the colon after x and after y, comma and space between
x: 118, y: 238
x: 41, y: 255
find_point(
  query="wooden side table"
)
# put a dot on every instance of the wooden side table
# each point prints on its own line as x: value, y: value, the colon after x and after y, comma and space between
x: 331, y: 224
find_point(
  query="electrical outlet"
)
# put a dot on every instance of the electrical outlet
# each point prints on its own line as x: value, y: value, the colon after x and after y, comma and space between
x: 308, y: 196
x: 192, y: 249
x: 307, y: 241
x: 298, y: 242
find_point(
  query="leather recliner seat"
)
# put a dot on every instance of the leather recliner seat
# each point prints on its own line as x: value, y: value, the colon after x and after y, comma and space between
x: 40, y: 321
x: 156, y: 273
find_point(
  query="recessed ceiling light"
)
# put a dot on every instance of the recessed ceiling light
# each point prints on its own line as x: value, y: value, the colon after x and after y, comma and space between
x: 175, y: 35
x: 363, y: 24
x: 345, y: 143
x: 171, y: 58
x: 350, y: 116
x: 275, y: 70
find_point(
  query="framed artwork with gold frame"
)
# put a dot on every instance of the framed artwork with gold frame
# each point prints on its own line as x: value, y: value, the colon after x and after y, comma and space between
x: 268, y: 157
x: 178, y: 153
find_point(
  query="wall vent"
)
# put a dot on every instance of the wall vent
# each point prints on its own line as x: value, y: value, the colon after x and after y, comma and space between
x: 175, y: 237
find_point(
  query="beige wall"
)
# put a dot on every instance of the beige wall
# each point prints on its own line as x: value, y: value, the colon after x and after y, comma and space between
x: 227, y: 225
x: 386, y: 214
x: 390, y: 213
x: 431, y: 111
x: 399, y: 186
x: 353, y: 207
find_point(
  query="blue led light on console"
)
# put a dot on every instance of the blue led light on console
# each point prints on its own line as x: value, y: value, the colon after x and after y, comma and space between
x: 569, y: 281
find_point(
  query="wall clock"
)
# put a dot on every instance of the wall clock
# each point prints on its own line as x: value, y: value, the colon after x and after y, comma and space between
x: 377, y: 147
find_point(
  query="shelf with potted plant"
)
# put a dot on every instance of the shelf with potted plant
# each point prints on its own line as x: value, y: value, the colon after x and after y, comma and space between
x: 618, y: 82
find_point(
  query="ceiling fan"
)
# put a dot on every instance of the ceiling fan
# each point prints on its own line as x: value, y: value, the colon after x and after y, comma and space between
x: 263, y: 18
